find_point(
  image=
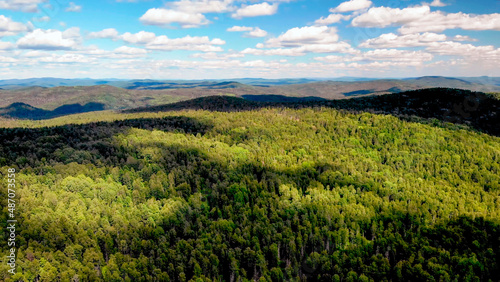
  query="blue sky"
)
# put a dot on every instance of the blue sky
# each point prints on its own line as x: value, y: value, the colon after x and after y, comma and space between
x: 208, y: 39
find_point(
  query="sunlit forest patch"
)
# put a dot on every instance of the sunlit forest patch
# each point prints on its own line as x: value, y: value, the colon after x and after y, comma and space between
x: 272, y: 194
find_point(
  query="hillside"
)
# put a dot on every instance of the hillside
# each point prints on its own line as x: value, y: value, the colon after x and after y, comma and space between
x: 478, y: 110
x: 144, y: 93
x: 25, y: 111
x: 312, y: 194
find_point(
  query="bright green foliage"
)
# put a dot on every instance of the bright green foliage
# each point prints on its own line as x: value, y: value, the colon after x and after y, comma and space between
x: 265, y: 195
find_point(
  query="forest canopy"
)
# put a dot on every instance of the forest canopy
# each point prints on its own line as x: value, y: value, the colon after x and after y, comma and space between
x: 271, y: 194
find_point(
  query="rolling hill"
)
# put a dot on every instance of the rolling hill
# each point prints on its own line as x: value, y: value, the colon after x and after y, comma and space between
x: 475, y: 109
x: 143, y: 93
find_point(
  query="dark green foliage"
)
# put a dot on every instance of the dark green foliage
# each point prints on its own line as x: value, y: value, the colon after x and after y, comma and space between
x: 478, y: 110
x: 25, y: 111
x: 264, y: 195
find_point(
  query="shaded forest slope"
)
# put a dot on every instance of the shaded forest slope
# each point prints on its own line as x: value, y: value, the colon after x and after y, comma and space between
x: 275, y: 194
x: 478, y: 110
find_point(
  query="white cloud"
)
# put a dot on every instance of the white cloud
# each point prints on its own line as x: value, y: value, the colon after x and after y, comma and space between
x: 196, y: 43
x: 66, y: 58
x: 9, y: 27
x: 164, y: 17
x: 162, y: 42
x: 394, y: 55
x: 142, y: 37
x: 450, y: 48
x: 257, y: 32
x: 130, y: 51
x: 421, y: 19
x: 30, y: 6
x: 252, y: 31
x: 239, y: 28
x: 216, y: 56
x: 6, y: 45
x: 385, y: 16
x: 4, y: 59
x: 298, y: 36
x: 351, y: 5
x: 42, y: 19
x: 338, y: 47
x: 302, y: 40
x: 274, y: 52
x: 332, y: 18
x: 202, y: 6
x: 73, y: 7
x: 50, y: 39
x: 438, y: 3
x: 262, y: 9
x: 331, y: 59
x: 110, y: 33
x: 391, y: 40
x: 462, y: 38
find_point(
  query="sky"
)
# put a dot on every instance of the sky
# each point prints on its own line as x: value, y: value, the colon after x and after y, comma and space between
x: 220, y: 39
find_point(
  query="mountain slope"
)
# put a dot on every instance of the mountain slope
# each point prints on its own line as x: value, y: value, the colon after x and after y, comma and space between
x: 25, y: 111
x: 479, y: 110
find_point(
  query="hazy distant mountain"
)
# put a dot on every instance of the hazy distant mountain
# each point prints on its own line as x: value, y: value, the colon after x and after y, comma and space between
x: 478, y: 83
x: 127, y: 94
x: 478, y: 110
x: 451, y: 82
x: 25, y: 111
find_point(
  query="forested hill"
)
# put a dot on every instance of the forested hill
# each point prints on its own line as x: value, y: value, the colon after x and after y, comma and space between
x: 25, y: 111
x: 476, y: 109
x: 312, y: 194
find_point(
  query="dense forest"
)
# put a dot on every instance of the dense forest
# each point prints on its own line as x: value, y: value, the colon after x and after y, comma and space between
x: 475, y: 109
x: 254, y: 194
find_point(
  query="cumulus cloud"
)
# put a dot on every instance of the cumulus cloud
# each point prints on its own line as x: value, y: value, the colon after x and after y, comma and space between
x: 391, y: 40
x: 216, y: 56
x: 9, y: 27
x: 165, y: 17
x: 462, y: 38
x: 202, y: 6
x: 262, y: 9
x: 196, y: 43
x: 130, y: 51
x: 351, y: 5
x: 438, y: 3
x: 251, y: 31
x: 394, y: 55
x: 42, y: 19
x: 186, y: 13
x: 141, y: 37
x: 66, y: 58
x: 331, y: 19
x: 239, y: 28
x: 298, y: 36
x: 301, y: 40
x: 73, y: 8
x: 50, y: 39
x: 382, y: 56
x: 257, y: 32
x: 30, y: 6
x: 338, y: 47
x: 421, y: 19
x: 110, y: 33
x: 451, y: 48
x: 6, y: 45
x: 153, y: 42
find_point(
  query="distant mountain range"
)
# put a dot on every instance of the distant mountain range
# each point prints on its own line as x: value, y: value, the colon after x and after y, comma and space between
x: 475, y: 109
x: 146, y: 84
x: 51, y: 93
